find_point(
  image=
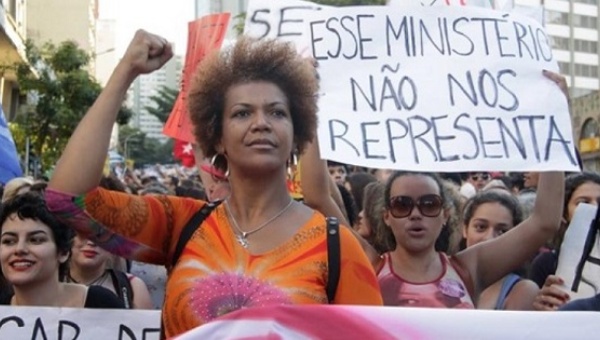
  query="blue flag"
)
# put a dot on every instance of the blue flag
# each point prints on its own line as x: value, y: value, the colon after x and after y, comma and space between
x: 9, y: 160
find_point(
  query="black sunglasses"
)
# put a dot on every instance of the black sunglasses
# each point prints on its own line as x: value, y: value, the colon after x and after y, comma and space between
x: 484, y: 177
x: 428, y: 205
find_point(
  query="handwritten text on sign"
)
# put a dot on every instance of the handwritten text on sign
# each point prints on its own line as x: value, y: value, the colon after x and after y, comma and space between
x: 77, y: 323
x: 427, y: 87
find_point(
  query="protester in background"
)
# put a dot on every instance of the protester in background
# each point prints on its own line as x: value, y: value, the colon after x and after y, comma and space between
x: 356, y: 183
x: 192, y: 189
x: 349, y: 205
x: 579, y: 188
x: 496, y: 184
x: 251, y: 106
x: 531, y: 180
x: 487, y: 216
x: 89, y: 266
x: 527, y: 200
x: 479, y: 180
x: 415, y: 213
x: 381, y: 175
x: 446, y: 241
x: 34, y: 251
x: 337, y: 171
x: 370, y: 222
x: 517, y: 181
x: 16, y: 186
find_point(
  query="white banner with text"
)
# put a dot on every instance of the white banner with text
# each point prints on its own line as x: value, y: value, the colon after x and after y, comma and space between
x: 74, y: 323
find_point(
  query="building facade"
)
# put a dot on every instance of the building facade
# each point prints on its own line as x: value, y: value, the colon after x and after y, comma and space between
x: 13, y: 33
x: 585, y: 113
x: 144, y: 88
x: 573, y: 27
x: 56, y: 21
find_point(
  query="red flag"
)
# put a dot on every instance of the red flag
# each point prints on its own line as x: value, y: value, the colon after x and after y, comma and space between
x: 204, y: 35
x: 184, y: 151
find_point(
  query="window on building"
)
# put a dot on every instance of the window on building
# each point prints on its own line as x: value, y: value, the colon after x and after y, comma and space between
x: 589, y: 141
x: 586, y: 46
x: 558, y: 18
x: 565, y: 68
x: 560, y: 43
x: 590, y: 71
x: 584, y: 21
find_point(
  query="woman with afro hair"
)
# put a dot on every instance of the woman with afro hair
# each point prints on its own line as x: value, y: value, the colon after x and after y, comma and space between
x: 251, y: 106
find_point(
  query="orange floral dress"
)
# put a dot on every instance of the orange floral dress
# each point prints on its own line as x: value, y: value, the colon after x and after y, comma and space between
x: 215, y: 274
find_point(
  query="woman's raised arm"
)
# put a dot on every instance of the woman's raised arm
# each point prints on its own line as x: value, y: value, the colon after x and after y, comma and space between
x: 80, y: 166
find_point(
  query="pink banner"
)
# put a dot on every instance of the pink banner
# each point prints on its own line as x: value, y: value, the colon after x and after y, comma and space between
x: 353, y: 322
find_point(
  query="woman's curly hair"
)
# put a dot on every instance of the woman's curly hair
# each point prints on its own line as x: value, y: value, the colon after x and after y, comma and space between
x: 251, y: 60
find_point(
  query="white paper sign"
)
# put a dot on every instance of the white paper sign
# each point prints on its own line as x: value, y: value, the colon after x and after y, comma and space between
x: 571, y: 253
x: 447, y: 88
x: 480, y: 3
x: 75, y: 323
x: 284, y: 20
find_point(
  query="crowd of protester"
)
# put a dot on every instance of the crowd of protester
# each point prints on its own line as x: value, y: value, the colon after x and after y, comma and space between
x: 485, y: 240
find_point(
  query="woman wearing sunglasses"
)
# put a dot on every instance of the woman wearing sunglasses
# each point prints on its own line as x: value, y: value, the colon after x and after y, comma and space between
x: 414, y: 274
x: 479, y: 180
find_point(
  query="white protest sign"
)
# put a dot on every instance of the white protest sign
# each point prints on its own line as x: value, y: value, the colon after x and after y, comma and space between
x: 571, y: 251
x: 283, y: 20
x: 480, y: 3
x: 448, y: 88
x: 75, y: 323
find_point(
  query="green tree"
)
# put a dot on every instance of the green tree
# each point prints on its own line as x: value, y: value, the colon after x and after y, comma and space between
x: 62, y: 91
x: 163, y: 103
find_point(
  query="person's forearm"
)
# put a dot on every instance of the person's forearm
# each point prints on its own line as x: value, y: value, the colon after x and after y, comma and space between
x: 548, y: 208
x: 317, y: 187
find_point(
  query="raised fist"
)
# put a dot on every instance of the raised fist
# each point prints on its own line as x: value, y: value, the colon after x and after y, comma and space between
x: 146, y: 53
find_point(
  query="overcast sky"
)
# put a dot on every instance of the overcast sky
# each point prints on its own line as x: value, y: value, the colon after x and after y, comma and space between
x: 166, y: 18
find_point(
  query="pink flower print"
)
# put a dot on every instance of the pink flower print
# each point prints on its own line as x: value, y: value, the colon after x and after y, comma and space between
x: 223, y: 293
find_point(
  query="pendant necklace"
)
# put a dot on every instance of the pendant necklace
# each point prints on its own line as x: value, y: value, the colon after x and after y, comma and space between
x: 242, y: 236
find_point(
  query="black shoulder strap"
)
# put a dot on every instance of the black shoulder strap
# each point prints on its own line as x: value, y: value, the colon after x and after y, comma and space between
x: 190, y: 227
x: 333, y: 257
x: 122, y: 287
x: 186, y: 233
